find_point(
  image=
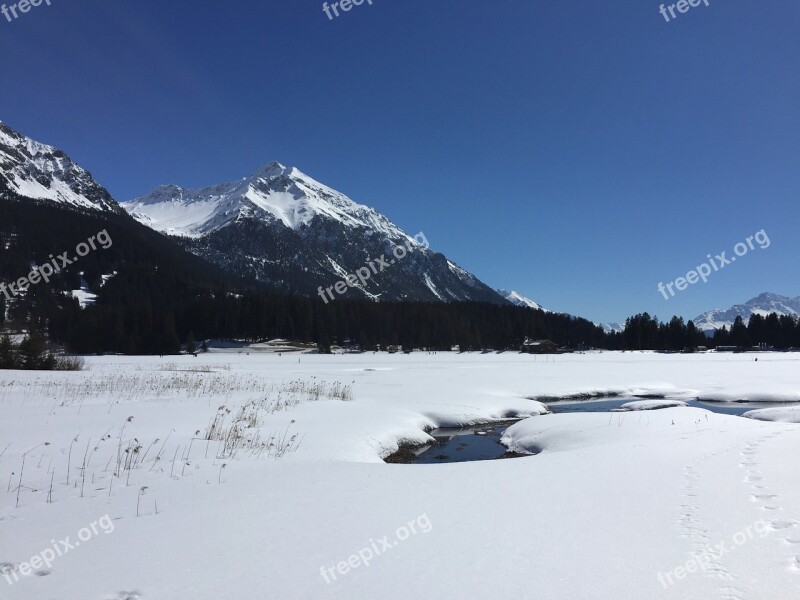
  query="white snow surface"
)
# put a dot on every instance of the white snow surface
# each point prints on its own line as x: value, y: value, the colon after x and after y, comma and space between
x: 652, y: 404
x: 611, y: 501
x: 780, y: 414
x: 746, y: 394
x: 84, y: 296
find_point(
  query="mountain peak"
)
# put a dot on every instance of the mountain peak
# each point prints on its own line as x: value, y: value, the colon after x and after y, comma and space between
x: 768, y: 297
x: 274, y: 193
x: 272, y: 170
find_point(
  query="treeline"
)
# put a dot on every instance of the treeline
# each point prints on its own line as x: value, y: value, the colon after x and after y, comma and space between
x: 773, y: 330
x: 32, y: 354
x: 147, y: 328
x: 160, y: 298
x: 127, y: 320
x: 142, y: 312
x: 643, y: 332
x: 144, y: 266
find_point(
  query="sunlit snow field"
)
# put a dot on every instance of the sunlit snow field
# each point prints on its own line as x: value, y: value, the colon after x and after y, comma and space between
x: 290, y: 497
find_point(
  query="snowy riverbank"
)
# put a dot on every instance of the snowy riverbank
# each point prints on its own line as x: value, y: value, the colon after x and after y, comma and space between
x: 613, y: 507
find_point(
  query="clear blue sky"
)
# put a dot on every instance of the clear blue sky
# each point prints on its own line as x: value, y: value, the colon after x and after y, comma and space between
x: 579, y: 152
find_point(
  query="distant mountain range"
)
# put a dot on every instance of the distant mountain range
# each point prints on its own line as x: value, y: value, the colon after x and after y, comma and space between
x: 519, y: 300
x: 277, y: 228
x: 205, y: 264
x: 763, y: 304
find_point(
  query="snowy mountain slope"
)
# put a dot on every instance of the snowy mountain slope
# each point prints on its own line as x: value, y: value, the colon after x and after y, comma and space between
x: 519, y: 300
x: 41, y: 172
x: 764, y: 305
x: 284, y: 228
x: 612, y: 327
x: 274, y: 193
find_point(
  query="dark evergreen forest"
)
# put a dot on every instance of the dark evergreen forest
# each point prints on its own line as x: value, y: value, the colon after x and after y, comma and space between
x: 162, y: 297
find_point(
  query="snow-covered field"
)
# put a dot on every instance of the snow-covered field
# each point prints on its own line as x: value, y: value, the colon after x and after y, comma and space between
x: 291, y: 499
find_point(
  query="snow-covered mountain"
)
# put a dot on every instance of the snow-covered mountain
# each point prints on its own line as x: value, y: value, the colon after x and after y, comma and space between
x: 277, y: 226
x: 764, y: 305
x: 612, y: 327
x: 274, y: 194
x: 33, y: 170
x: 292, y: 232
x: 519, y: 300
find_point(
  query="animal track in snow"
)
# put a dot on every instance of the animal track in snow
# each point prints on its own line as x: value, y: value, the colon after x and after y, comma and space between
x: 778, y: 525
x: 132, y: 595
x: 792, y: 540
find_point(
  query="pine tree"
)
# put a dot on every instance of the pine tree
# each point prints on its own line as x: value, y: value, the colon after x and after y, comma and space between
x: 191, y: 343
x: 8, y: 355
x: 32, y: 351
x: 691, y: 336
x: 170, y: 343
x: 739, y: 333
